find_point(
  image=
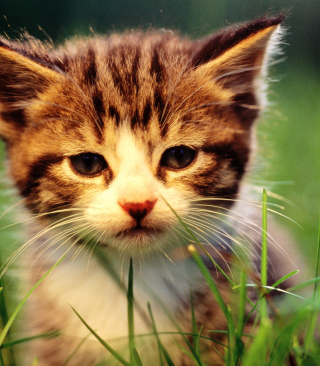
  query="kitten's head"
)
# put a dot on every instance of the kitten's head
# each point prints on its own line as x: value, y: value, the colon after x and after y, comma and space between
x: 103, y: 133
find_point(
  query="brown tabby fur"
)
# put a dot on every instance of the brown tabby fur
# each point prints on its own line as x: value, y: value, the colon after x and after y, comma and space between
x: 167, y: 91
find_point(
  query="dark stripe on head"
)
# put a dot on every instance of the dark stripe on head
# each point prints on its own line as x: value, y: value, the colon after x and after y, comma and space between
x: 38, y: 170
x: 97, y: 99
x: 146, y: 114
x: 91, y: 67
x: 114, y: 114
x: 135, y: 70
x: 117, y: 80
x: 160, y: 105
x: 135, y: 119
x: 159, y: 100
x: 142, y: 121
x: 156, y: 68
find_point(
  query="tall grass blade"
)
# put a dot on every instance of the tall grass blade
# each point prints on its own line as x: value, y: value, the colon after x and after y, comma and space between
x: 197, y: 344
x: 194, y: 326
x: 284, y: 278
x: 75, y: 350
x: 3, y: 307
x: 285, y: 338
x: 190, y: 355
x: 304, y: 284
x: 207, y: 275
x: 4, y: 314
x: 18, y: 308
x: 316, y: 301
x: 264, y: 256
x: 167, y: 357
x: 130, y: 300
x: 160, y: 347
x: 55, y: 333
x: 195, y: 331
x: 239, y: 348
x: 1, y: 359
x: 136, y: 357
x: 214, y: 289
x: 109, y: 267
x: 114, y: 353
x: 256, y: 353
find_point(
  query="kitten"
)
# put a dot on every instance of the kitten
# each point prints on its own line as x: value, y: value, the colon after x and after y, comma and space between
x: 104, y: 135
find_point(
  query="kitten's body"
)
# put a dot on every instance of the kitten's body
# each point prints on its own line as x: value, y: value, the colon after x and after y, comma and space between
x: 102, y: 135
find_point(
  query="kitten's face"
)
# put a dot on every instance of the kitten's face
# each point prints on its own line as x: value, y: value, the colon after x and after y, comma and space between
x: 109, y: 132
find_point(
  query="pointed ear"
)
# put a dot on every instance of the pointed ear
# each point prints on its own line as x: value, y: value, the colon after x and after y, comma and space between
x: 23, y: 77
x: 237, y: 59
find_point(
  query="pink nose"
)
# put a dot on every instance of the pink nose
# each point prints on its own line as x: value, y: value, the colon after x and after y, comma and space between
x: 138, y: 210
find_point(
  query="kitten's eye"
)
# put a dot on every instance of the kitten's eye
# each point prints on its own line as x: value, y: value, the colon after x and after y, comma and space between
x: 177, y: 157
x: 88, y: 163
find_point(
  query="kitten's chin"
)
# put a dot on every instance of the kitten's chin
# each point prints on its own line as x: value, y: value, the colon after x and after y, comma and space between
x: 137, y: 239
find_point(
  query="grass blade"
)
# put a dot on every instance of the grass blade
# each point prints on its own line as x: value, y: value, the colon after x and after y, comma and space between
x: 256, y: 352
x: 239, y: 348
x: 316, y: 300
x: 188, y: 353
x: 264, y: 257
x: 55, y: 333
x: 194, y: 325
x: 75, y: 350
x: 207, y: 275
x: 130, y: 299
x: 197, y: 343
x: 4, y: 315
x: 304, y: 284
x: 160, y: 347
x: 18, y: 308
x: 216, y: 293
x: 167, y: 357
x: 114, y: 353
x: 136, y: 357
x: 282, y: 279
x: 1, y: 359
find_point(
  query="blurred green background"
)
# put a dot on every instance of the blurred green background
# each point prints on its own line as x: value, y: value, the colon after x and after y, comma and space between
x: 290, y: 133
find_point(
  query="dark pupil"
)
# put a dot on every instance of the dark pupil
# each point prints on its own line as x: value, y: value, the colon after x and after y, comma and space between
x: 89, y: 163
x: 178, y: 157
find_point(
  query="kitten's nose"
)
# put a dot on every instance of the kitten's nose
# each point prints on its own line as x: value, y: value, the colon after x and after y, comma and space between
x: 138, y: 210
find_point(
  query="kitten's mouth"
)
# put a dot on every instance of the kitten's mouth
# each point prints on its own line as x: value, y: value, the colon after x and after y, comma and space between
x: 138, y: 233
